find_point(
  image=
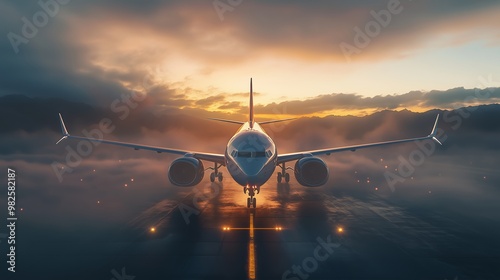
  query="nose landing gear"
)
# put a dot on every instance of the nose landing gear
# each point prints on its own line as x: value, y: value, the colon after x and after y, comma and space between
x: 251, y: 201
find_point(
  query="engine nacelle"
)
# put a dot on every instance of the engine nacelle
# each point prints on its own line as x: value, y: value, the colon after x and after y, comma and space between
x: 311, y: 172
x: 186, y: 172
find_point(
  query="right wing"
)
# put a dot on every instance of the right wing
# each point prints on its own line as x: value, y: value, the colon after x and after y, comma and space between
x: 298, y: 155
x: 217, y: 158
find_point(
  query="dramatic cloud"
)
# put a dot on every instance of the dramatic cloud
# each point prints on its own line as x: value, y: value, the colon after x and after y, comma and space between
x: 341, y: 103
x: 158, y: 69
x: 95, y: 52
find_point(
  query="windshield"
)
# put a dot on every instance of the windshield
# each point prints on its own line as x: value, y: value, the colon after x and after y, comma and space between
x: 251, y: 154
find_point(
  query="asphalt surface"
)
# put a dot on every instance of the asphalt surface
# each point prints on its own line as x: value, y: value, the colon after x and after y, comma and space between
x: 206, y: 232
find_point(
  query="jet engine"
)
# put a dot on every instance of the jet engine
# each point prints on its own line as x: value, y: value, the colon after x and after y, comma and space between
x: 311, y: 172
x: 186, y: 172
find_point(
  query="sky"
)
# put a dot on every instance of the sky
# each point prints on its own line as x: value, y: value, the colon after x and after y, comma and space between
x: 200, y: 55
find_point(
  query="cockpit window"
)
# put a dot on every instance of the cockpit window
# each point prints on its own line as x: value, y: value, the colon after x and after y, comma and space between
x: 251, y: 154
x: 259, y: 154
x: 244, y: 154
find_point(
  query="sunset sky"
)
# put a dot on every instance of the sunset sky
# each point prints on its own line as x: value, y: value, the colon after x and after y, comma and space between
x: 347, y: 70
x: 201, y: 54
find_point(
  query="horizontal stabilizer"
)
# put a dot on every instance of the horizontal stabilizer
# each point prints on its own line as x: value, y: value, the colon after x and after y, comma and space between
x: 275, y: 121
x: 228, y: 121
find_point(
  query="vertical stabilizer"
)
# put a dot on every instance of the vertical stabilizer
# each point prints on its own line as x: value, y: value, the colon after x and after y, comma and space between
x: 250, y: 120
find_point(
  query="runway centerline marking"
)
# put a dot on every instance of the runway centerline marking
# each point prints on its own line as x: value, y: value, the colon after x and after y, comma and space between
x: 251, y: 243
x: 251, y: 251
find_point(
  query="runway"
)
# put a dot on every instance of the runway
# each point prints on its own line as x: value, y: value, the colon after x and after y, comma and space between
x: 206, y: 232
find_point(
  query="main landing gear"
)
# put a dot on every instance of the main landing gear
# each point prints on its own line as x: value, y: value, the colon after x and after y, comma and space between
x: 251, y: 201
x: 216, y: 173
x: 283, y: 174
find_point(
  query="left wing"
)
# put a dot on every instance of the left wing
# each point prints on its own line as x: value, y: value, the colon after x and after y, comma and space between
x: 298, y: 155
x: 217, y: 158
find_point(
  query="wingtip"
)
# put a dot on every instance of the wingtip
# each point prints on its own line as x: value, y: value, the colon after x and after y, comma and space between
x: 434, y: 131
x: 62, y: 138
x: 63, y: 127
x: 434, y: 128
x: 437, y: 141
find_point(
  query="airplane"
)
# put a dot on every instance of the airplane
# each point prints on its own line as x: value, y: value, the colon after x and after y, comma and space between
x: 250, y: 157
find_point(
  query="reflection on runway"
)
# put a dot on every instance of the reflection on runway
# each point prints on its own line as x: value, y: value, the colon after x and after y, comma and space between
x: 207, y: 232
x: 251, y: 251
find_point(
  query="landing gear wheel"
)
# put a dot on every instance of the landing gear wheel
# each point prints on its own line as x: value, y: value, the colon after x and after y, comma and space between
x: 212, y: 177
x: 254, y: 202
x: 248, y: 202
x: 280, y: 177
x: 219, y: 176
x: 287, y: 177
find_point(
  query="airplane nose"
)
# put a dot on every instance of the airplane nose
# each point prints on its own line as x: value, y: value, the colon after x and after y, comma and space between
x: 250, y: 168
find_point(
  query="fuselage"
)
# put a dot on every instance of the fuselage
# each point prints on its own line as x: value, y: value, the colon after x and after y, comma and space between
x: 251, y: 156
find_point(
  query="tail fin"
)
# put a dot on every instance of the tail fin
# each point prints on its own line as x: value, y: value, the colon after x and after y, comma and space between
x: 251, y: 120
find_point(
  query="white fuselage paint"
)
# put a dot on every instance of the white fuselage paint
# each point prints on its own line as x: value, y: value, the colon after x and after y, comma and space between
x: 251, y: 156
